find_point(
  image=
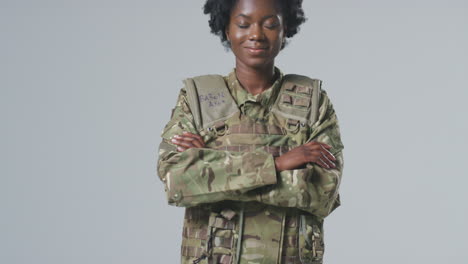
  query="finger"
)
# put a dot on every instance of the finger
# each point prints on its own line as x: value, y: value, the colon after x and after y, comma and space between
x: 191, y: 140
x: 196, y: 140
x: 197, y: 143
x: 180, y: 149
x: 185, y: 144
x: 194, y: 136
x: 321, y: 163
x: 325, y: 159
x: 181, y: 143
x: 329, y: 155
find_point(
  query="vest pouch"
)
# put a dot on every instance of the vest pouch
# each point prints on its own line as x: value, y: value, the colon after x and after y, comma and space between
x: 311, y: 243
x: 194, y: 234
x: 292, y: 126
x: 221, y: 237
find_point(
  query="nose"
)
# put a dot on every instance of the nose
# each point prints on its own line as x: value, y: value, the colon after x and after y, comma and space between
x: 256, y: 32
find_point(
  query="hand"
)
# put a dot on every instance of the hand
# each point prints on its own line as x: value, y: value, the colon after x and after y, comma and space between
x: 314, y: 151
x: 187, y: 140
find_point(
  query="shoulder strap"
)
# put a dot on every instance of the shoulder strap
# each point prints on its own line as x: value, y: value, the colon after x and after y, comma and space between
x: 299, y: 94
x: 209, y: 99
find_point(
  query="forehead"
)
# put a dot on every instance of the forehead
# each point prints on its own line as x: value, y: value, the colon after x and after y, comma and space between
x: 256, y: 7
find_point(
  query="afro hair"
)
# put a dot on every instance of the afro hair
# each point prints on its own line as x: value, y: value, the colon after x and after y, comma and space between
x: 220, y: 12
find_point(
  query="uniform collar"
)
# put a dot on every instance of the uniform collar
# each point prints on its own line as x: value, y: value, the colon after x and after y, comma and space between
x: 265, y: 98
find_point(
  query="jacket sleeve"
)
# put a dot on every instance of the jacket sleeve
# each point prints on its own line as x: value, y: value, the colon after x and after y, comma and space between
x: 203, y: 175
x: 313, y: 189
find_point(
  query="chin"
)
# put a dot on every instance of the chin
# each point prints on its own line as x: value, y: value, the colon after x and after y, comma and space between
x: 258, y: 62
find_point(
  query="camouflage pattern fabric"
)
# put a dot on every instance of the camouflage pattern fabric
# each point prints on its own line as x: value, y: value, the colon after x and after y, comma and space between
x: 236, y: 170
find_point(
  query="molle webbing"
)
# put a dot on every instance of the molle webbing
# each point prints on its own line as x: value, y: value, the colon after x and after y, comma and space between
x: 250, y: 127
x: 290, y: 254
x: 276, y: 151
x: 221, y: 222
x: 189, y: 232
x: 209, y: 100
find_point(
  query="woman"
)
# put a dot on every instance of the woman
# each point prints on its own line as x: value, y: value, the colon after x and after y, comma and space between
x: 254, y: 156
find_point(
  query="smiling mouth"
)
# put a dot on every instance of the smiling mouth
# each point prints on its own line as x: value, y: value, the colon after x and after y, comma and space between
x: 256, y: 50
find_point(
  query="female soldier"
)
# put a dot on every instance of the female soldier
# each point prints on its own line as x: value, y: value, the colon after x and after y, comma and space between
x: 254, y: 156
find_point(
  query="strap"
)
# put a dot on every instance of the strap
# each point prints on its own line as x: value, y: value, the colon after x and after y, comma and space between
x: 192, y: 96
x: 209, y: 99
x: 241, y: 233
x: 317, y: 86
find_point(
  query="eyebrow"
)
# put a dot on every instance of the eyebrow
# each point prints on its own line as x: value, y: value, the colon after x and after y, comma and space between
x: 246, y: 16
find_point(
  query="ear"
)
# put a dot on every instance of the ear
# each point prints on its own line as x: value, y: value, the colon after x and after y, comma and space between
x: 226, y: 31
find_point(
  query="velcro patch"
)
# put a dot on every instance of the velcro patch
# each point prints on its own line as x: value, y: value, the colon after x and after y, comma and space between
x: 303, y: 90
x: 299, y: 101
x: 286, y: 99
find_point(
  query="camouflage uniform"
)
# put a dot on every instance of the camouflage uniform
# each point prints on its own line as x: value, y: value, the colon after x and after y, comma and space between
x: 231, y: 188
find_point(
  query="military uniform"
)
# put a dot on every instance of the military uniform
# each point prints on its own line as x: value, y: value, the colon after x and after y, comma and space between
x: 239, y: 209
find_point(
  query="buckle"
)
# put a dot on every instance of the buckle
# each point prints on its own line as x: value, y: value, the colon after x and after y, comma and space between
x: 292, y: 125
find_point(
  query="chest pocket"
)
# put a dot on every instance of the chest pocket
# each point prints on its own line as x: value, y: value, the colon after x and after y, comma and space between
x: 298, y: 104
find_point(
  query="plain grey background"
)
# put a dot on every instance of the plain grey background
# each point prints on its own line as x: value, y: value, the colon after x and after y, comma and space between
x: 87, y: 86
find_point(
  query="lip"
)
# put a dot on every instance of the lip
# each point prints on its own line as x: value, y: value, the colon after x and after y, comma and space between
x: 256, y: 50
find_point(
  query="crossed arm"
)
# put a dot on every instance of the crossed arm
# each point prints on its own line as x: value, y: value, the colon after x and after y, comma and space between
x: 315, y: 152
x: 306, y: 177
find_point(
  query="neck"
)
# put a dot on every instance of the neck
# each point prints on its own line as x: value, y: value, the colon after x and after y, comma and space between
x: 255, y: 80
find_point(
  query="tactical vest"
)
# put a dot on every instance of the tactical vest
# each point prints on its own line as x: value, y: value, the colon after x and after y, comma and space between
x: 212, y: 232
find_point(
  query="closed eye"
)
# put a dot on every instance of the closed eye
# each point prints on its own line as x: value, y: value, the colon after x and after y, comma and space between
x: 243, y: 26
x: 272, y: 26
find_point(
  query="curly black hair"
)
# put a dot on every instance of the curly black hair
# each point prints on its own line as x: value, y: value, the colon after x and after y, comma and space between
x: 220, y: 12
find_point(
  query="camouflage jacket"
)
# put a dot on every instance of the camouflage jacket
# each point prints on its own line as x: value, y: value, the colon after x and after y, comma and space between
x: 231, y: 188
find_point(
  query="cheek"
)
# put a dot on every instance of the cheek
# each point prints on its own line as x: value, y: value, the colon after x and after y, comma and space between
x: 238, y: 35
x: 277, y: 39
